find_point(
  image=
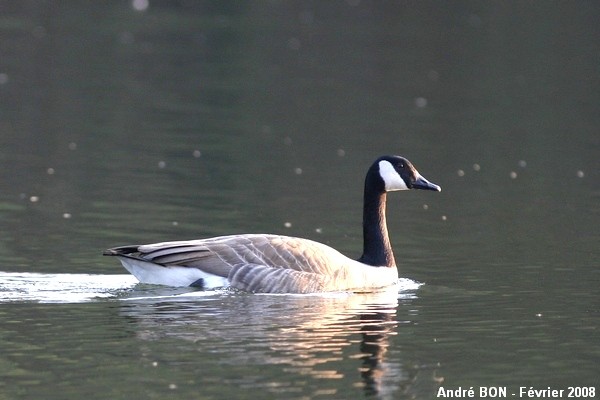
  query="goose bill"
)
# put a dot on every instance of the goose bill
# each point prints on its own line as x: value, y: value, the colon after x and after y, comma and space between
x: 424, y: 184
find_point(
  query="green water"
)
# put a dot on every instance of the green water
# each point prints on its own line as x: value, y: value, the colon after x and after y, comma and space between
x: 196, y: 119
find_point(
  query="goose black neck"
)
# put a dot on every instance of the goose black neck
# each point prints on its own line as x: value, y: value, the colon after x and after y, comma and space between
x: 377, y: 250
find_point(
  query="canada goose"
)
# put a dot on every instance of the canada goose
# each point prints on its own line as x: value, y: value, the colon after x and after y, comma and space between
x: 283, y: 264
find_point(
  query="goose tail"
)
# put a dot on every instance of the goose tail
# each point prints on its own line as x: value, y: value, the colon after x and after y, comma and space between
x: 147, y: 271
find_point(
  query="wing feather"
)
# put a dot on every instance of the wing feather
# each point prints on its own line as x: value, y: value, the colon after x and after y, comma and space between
x: 265, y: 279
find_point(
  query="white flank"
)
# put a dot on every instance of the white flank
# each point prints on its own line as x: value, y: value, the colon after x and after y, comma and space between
x: 147, y: 272
x: 391, y: 178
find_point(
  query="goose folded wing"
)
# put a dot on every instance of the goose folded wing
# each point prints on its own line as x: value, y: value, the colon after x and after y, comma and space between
x: 182, y: 254
x: 265, y: 279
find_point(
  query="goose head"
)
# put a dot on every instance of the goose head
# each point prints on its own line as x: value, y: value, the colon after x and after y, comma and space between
x: 397, y: 173
x: 386, y: 174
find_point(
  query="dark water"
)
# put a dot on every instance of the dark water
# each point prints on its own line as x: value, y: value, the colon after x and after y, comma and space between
x: 185, y: 120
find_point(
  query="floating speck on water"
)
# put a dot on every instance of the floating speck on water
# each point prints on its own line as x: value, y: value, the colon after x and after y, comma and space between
x: 287, y: 224
x: 460, y: 172
x: 319, y: 230
x: 298, y: 171
x: 341, y: 152
x: 39, y: 32
x: 306, y: 17
x: 476, y: 167
x: 3, y: 78
x: 67, y: 215
x: 197, y: 153
x: 50, y: 171
x: 294, y: 44
x: 162, y: 164
x: 155, y: 363
x: 444, y: 218
x: 522, y: 163
x: 425, y: 207
x: 580, y: 174
x: 72, y: 146
x: 172, y: 386
x: 175, y: 223
x: 513, y: 175
x: 34, y: 199
x: 474, y: 20
x: 140, y: 5
x: 421, y: 102
x: 126, y: 38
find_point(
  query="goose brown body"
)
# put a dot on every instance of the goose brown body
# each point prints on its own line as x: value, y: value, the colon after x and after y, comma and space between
x: 264, y: 263
x: 281, y: 264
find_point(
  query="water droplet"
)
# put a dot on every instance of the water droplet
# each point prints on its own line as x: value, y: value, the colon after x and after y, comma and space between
x: 162, y: 164
x: 197, y: 153
x: 67, y: 215
x: 287, y: 224
x: 513, y: 175
x: 444, y: 218
x: 126, y: 38
x: 294, y: 44
x: 298, y: 171
x: 580, y: 174
x: 39, y: 32
x: 306, y: 17
x: 522, y: 163
x: 34, y: 199
x: 341, y: 152
x: 460, y: 172
x: 140, y: 5
x: 425, y: 207
x: 172, y: 386
x: 72, y: 146
x: 433, y: 75
x: 175, y: 223
x: 319, y: 230
x: 474, y: 20
x: 421, y: 102
x: 476, y: 167
x: 50, y: 171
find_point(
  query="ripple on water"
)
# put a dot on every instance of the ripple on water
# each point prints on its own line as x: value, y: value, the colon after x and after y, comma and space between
x: 61, y: 288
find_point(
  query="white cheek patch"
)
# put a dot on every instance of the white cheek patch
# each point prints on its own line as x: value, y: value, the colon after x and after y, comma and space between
x: 391, y: 178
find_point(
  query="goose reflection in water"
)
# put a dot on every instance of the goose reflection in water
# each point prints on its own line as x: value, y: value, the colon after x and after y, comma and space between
x: 337, y: 342
x: 411, y: 381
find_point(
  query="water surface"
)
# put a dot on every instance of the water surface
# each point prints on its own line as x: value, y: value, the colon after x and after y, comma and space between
x: 177, y: 121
